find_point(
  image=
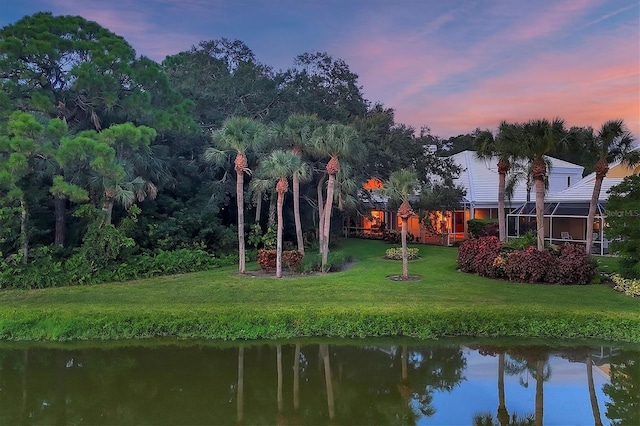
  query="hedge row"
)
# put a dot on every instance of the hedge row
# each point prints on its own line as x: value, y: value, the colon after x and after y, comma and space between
x: 240, y: 323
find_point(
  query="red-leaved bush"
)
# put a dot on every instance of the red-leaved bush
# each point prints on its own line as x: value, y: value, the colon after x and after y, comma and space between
x: 485, y: 256
x: 478, y: 255
x: 528, y: 265
x: 572, y: 266
x: 267, y: 259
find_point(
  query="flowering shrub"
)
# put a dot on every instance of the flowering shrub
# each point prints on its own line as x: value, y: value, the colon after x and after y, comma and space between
x: 478, y: 255
x: 396, y: 253
x: 630, y: 287
x: 571, y: 266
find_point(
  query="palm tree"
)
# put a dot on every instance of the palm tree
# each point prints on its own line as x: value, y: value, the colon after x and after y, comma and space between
x: 541, y: 137
x: 237, y: 134
x: 613, y: 142
x: 279, y: 165
x: 335, y: 141
x: 296, y: 131
x: 401, y: 185
x: 504, y: 147
x: 592, y: 391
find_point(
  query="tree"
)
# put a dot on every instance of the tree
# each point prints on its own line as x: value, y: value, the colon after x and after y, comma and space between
x: 319, y: 84
x: 623, y: 224
x: 237, y: 134
x: 504, y: 147
x: 539, y: 138
x: 76, y: 70
x: 296, y: 132
x: 401, y: 185
x: 134, y: 174
x: 613, y: 142
x: 280, y: 165
x: 335, y: 141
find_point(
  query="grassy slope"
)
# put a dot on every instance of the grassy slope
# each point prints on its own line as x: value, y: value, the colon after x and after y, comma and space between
x: 357, y: 302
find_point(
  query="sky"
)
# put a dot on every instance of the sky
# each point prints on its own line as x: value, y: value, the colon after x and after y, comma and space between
x: 452, y: 66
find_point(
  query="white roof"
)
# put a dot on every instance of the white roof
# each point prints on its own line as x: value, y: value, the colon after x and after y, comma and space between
x: 480, y: 178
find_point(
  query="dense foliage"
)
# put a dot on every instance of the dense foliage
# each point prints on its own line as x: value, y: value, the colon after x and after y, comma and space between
x: 486, y: 256
x: 623, y: 219
x: 84, y: 121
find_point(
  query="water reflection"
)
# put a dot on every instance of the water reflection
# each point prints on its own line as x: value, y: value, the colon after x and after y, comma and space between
x: 318, y: 383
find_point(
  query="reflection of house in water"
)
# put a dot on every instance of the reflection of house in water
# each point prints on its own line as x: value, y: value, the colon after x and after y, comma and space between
x: 565, y: 215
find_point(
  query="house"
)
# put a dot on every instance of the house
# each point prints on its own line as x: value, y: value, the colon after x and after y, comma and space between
x: 479, y: 178
x: 566, y: 211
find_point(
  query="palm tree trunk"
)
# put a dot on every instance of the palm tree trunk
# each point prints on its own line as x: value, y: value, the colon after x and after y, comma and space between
x: 405, y: 355
x: 540, y: 213
x: 240, y: 206
x: 60, y: 209
x: 327, y: 221
x: 279, y: 372
x: 24, y: 238
x: 240, y: 395
x: 597, y: 186
x: 539, y: 393
x: 321, y: 213
x: 272, y: 209
x: 279, y: 236
x: 296, y: 378
x: 296, y: 213
x: 107, y: 208
x: 324, y: 352
x: 503, y: 414
x: 592, y: 393
x: 258, y: 206
x: 405, y: 257
x: 502, y: 225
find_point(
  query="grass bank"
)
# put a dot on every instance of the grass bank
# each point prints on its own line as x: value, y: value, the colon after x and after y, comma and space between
x: 360, y: 301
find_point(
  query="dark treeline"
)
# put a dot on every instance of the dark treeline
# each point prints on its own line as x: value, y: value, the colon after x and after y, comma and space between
x: 102, y: 148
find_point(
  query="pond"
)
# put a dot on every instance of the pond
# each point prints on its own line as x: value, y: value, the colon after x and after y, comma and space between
x: 444, y: 382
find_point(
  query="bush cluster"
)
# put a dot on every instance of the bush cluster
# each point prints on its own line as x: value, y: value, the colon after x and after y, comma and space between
x: 267, y: 259
x: 396, y: 253
x: 486, y: 256
x: 395, y: 237
x: 46, y: 270
x: 628, y: 286
x: 312, y: 262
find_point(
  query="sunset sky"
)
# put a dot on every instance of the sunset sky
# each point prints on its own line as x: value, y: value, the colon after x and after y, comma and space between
x: 452, y: 65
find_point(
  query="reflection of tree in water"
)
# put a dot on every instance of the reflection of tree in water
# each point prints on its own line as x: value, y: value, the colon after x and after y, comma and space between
x: 624, y: 389
x: 535, y: 359
x: 583, y: 354
x: 508, y: 366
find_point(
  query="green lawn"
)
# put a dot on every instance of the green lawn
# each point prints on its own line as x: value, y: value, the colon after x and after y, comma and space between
x: 359, y: 301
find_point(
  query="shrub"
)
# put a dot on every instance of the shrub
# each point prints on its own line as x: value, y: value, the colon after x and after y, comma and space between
x: 528, y: 265
x: 312, y: 262
x: 395, y: 237
x: 530, y: 239
x: 483, y: 228
x: 628, y: 286
x: 572, y: 266
x: 291, y: 259
x: 478, y: 255
x: 396, y: 253
x: 267, y: 259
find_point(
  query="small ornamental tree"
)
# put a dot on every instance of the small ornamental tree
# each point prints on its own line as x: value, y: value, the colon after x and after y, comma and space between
x: 400, y: 186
